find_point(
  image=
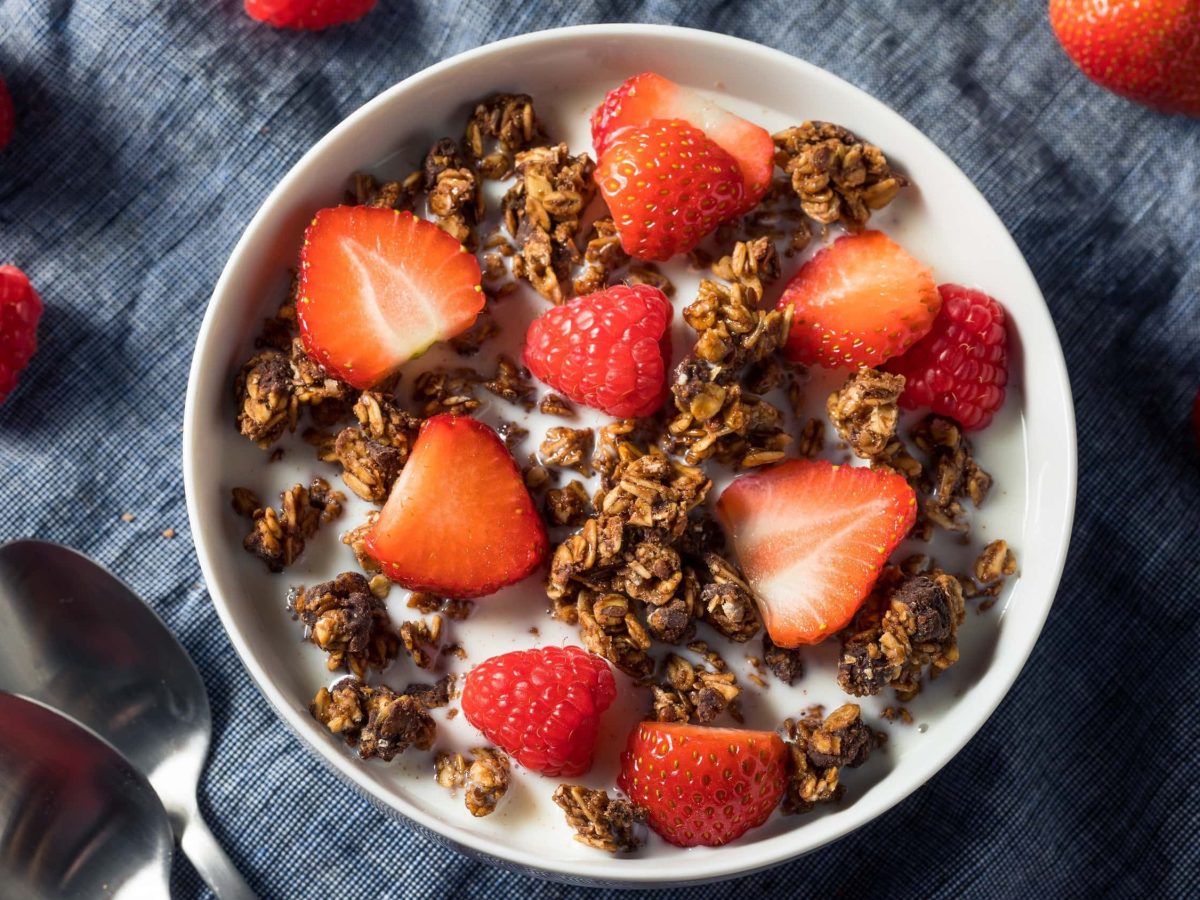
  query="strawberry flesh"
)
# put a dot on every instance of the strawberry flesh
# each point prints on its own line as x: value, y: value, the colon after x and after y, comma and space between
x: 459, y: 521
x: 651, y: 96
x: 811, y: 538
x: 858, y: 302
x: 379, y: 287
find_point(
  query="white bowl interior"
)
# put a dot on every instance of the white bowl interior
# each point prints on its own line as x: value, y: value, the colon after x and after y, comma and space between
x: 1030, y: 449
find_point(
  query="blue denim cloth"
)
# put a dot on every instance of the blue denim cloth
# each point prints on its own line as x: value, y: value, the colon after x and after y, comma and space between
x: 148, y: 134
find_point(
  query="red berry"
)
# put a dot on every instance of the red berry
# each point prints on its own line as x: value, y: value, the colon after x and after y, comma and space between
x: 307, y: 15
x: 20, y: 309
x: 541, y: 706
x: 459, y: 521
x: 8, y: 116
x: 609, y: 350
x: 703, y: 786
x: 807, y: 589
x: 1146, y: 50
x: 649, y: 96
x: 378, y: 287
x: 960, y: 368
x: 857, y: 302
x: 667, y: 185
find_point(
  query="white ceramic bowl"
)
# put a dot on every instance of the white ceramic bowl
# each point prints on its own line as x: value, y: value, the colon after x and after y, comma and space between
x: 1030, y: 449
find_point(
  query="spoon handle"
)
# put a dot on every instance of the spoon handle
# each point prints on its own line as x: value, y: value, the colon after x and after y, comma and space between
x: 210, y: 861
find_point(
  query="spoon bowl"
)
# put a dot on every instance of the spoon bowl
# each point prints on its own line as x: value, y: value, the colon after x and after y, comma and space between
x: 79, y: 640
x: 77, y: 820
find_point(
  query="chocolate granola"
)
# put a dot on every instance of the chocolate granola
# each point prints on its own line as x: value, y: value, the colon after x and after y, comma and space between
x: 600, y: 821
x: 349, y: 622
x: 375, y: 719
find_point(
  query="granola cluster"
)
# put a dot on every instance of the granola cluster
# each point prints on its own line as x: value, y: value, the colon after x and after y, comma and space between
x: 278, y: 536
x: 600, y: 821
x: 543, y: 212
x: 909, y: 625
x: 818, y: 750
x: 951, y: 476
x: 375, y: 719
x: 276, y: 384
x: 348, y: 621
x: 485, y: 776
x: 508, y: 123
x: 695, y: 693
x: 373, y: 452
x: 646, y: 553
x: 717, y: 416
x: 837, y: 176
x: 864, y: 411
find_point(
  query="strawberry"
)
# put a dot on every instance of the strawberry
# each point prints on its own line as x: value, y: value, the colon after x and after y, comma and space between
x: 960, y: 368
x: 20, y: 310
x: 703, y: 786
x: 459, y: 521
x: 667, y: 186
x: 307, y: 15
x: 1148, y: 51
x: 378, y: 287
x: 608, y: 350
x: 648, y: 96
x: 811, y: 538
x: 8, y: 115
x: 541, y: 706
x: 857, y: 302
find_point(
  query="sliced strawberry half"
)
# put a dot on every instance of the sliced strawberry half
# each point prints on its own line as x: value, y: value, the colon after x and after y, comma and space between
x: 378, y: 287
x: 859, y: 301
x: 459, y: 521
x: 811, y: 538
x: 650, y: 96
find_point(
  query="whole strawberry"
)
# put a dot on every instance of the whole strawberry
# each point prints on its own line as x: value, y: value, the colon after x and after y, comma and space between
x: 7, y: 115
x: 541, y: 706
x: 667, y: 185
x: 703, y: 786
x: 307, y: 15
x: 1146, y: 50
x: 609, y: 350
x: 960, y: 368
x: 20, y: 309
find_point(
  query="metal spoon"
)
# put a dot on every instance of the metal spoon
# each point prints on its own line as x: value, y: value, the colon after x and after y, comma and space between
x: 80, y: 641
x: 76, y: 819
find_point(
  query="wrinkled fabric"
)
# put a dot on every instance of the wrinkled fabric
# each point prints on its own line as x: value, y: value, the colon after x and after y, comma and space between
x: 149, y: 133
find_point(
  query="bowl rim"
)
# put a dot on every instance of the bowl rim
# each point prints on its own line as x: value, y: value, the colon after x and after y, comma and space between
x: 686, y: 869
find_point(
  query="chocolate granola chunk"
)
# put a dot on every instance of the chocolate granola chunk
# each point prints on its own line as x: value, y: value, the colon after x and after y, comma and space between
x: 509, y: 121
x: 452, y: 188
x: 567, y: 447
x: 274, y: 385
x: 837, y: 176
x: 817, y: 751
x: 785, y: 664
x: 864, y: 411
x: 380, y: 722
x: 603, y: 255
x: 487, y: 781
x: 694, y: 692
x: 543, y: 213
x: 432, y: 696
x: 893, y: 641
x: 567, y: 505
x: 398, y: 195
x: 952, y: 476
x: 278, y: 537
x: 600, y: 821
x: 346, y: 620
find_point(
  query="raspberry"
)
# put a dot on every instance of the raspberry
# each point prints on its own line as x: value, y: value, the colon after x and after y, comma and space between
x: 20, y: 309
x: 307, y: 15
x: 960, y: 368
x: 541, y: 706
x: 609, y: 350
